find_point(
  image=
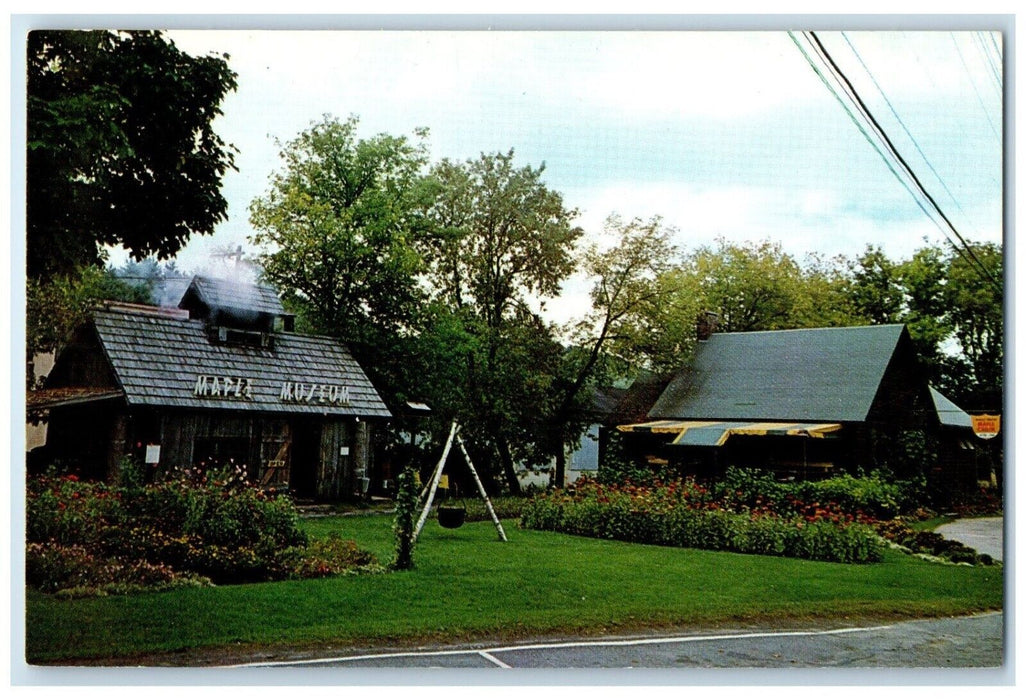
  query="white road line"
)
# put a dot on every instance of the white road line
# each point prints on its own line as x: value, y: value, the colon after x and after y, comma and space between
x: 671, y: 640
x: 487, y: 653
x: 494, y: 660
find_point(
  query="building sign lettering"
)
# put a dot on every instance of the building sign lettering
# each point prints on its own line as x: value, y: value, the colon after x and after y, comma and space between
x: 986, y: 427
x: 223, y: 387
x: 303, y: 392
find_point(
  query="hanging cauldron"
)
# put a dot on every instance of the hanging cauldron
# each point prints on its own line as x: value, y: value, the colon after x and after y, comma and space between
x: 451, y: 516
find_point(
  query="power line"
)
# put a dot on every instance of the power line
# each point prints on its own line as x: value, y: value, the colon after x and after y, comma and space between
x: 858, y: 122
x: 976, y: 90
x: 905, y: 166
x: 992, y: 56
x: 901, y: 122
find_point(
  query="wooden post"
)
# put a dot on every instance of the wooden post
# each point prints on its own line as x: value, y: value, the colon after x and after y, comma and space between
x: 435, y: 478
x: 480, y: 487
x: 117, y: 448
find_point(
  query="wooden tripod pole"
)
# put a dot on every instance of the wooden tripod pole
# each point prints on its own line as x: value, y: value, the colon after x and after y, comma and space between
x: 480, y: 487
x: 435, y: 478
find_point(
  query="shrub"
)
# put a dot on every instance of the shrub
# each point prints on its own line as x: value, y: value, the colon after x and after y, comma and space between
x: 874, y: 496
x: 930, y: 543
x: 330, y: 556
x: 197, y: 526
x: 506, y: 507
x: 982, y: 501
x: 682, y: 514
x: 53, y: 567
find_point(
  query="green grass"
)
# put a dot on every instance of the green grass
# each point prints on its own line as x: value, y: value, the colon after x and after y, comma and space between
x: 931, y: 524
x: 467, y: 584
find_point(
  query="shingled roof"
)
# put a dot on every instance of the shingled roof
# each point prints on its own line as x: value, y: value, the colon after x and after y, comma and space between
x: 223, y: 294
x: 158, y: 361
x: 821, y: 374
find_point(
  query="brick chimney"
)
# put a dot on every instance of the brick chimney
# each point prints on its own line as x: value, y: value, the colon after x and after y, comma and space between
x: 706, y: 324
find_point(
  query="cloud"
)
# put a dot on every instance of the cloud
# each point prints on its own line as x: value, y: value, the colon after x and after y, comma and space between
x: 720, y: 133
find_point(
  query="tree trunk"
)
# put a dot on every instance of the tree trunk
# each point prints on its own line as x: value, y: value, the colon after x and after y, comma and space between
x: 559, y: 478
x: 506, y: 464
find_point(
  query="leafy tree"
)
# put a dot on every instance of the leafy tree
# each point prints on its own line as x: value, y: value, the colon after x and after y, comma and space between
x: 121, y: 149
x: 964, y: 308
x: 752, y: 286
x: 923, y: 282
x: 56, y: 306
x: 502, y: 237
x: 876, y: 289
x: 339, y: 231
x: 626, y: 287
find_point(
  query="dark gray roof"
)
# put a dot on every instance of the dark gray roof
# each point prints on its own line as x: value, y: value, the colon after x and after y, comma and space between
x: 157, y: 361
x: 819, y: 374
x: 225, y: 294
x: 948, y: 412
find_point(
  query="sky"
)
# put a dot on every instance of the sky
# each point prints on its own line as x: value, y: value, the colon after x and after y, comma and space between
x: 721, y: 134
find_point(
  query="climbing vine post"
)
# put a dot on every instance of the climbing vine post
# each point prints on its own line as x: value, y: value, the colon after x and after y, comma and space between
x: 405, y: 509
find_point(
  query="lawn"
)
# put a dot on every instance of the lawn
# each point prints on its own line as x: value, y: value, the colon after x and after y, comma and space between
x: 467, y: 584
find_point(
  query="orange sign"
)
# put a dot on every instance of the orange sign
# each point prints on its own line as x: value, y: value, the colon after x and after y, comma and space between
x: 986, y: 427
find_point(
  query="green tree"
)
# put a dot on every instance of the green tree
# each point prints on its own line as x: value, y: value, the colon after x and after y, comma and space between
x: 58, y: 305
x: 503, y: 235
x: 876, y: 291
x: 120, y: 149
x: 923, y: 282
x: 626, y: 286
x: 752, y: 286
x: 339, y: 232
x: 502, y: 238
x: 976, y: 314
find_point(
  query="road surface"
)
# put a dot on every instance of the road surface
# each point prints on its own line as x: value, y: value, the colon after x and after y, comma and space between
x: 954, y: 643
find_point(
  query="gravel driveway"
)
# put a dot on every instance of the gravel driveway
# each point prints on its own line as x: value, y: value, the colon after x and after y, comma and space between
x: 985, y: 535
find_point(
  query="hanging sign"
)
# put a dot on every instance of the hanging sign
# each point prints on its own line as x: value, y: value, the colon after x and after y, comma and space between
x: 986, y: 427
x: 303, y: 392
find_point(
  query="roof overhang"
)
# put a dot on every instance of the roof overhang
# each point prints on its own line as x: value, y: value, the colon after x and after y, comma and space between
x: 710, y: 433
x: 45, y: 399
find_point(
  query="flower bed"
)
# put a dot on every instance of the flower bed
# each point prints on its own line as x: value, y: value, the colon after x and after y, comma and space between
x: 190, y: 530
x: 686, y: 514
x: 931, y: 544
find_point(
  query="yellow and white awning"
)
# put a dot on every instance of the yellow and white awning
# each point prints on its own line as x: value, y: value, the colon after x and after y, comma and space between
x: 707, y: 433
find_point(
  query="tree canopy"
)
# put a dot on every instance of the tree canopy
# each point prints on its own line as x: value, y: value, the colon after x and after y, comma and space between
x: 121, y: 148
x: 341, y: 231
x: 502, y: 239
x: 436, y: 275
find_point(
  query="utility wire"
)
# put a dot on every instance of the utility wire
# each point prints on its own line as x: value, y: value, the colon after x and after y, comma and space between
x: 976, y: 90
x: 904, y: 127
x: 991, y: 57
x: 890, y: 146
x: 859, y: 125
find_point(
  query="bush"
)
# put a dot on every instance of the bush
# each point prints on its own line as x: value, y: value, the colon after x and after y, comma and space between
x: 330, y: 556
x: 682, y: 514
x: 931, y: 543
x: 53, y: 567
x: 874, y: 496
x: 88, y: 536
x: 506, y: 507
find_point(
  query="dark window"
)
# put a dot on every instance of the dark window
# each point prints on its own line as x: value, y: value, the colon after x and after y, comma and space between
x: 217, y: 452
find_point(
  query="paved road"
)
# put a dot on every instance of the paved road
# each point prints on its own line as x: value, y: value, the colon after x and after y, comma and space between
x: 985, y: 535
x: 963, y: 642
